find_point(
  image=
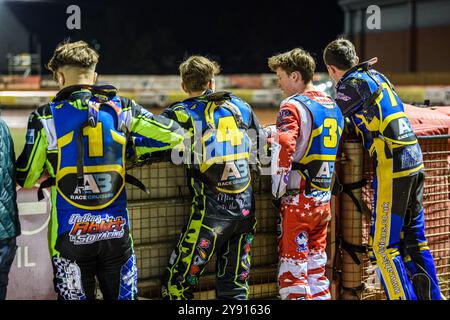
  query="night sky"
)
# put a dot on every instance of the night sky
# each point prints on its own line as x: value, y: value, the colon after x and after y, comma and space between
x: 153, y: 37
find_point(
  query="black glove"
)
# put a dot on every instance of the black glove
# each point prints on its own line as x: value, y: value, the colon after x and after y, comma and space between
x: 349, y: 127
x: 276, y: 203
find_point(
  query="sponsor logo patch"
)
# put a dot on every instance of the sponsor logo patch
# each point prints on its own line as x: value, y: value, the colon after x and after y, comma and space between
x: 194, y: 269
x: 30, y: 136
x: 192, y: 280
x: 198, y: 261
x: 302, y: 241
x: 284, y: 113
x: 89, y: 228
x: 204, y: 243
x: 243, y: 275
x: 202, y: 253
x: 341, y: 96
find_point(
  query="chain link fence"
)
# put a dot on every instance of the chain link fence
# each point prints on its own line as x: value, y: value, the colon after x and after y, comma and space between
x: 158, y: 218
x: 436, y: 203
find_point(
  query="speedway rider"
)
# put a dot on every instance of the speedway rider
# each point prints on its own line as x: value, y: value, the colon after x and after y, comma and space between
x: 397, y: 243
x: 304, y: 147
x: 81, y: 139
x: 224, y: 138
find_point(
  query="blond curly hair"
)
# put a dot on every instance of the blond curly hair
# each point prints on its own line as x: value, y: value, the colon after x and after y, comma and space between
x: 294, y: 60
x: 197, y: 71
x: 77, y: 54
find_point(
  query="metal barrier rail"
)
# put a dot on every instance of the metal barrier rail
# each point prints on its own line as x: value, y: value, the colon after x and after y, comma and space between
x: 434, y: 137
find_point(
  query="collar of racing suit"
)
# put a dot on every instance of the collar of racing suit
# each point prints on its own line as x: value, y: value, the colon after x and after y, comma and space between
x: 364, y: 66
x: 211, y: 95
x: 314, y: 93
x: 66, y: 93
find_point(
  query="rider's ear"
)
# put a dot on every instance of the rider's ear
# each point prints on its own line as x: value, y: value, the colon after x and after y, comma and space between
x: 60, y: 78
x: 212, y: 84
x: 183, y: 86
x: 296, y: 75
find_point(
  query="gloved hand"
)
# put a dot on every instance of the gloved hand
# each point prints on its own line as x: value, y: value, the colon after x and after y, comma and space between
x: 349, y: 127
x: 270, y: 132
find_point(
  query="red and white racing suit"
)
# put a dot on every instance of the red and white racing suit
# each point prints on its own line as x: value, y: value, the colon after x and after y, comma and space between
x: 304, y: 216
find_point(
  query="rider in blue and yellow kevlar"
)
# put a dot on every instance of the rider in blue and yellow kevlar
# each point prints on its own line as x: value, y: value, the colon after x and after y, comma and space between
x: 219, y: 160
x: 397, y: 243
x: 83, y: 139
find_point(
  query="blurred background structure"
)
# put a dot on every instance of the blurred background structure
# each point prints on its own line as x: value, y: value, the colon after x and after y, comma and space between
x: 140, y: 47
x: 413, y: 36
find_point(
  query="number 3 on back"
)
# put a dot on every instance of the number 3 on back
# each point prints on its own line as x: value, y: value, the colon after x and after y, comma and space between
x: 330, y: 140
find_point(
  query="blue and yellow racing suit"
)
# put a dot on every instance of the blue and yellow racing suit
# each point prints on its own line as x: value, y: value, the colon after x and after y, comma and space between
x: 80, y: 139
x: 222, y: 216
x: 397, y: 243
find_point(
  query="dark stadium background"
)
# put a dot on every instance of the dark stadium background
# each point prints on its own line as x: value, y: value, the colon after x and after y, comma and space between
x: 152, y: 37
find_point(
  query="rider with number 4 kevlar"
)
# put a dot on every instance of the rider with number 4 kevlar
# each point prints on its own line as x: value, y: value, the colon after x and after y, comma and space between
x: 304, y: 146
x: 224, y: 135
x: 82, y: 139
x: 397, y: 243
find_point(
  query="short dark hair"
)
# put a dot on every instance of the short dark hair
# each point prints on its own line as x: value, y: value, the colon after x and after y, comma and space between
x: 340, y: 53
x: 295, y: 60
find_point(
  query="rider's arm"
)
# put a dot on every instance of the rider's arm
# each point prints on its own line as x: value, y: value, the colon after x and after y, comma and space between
x: 178, y: 113
x: 259, y: 143
x: 288, y: 130
x: 348, y: 95
x: 152, y: 133
x: 32, y: 161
